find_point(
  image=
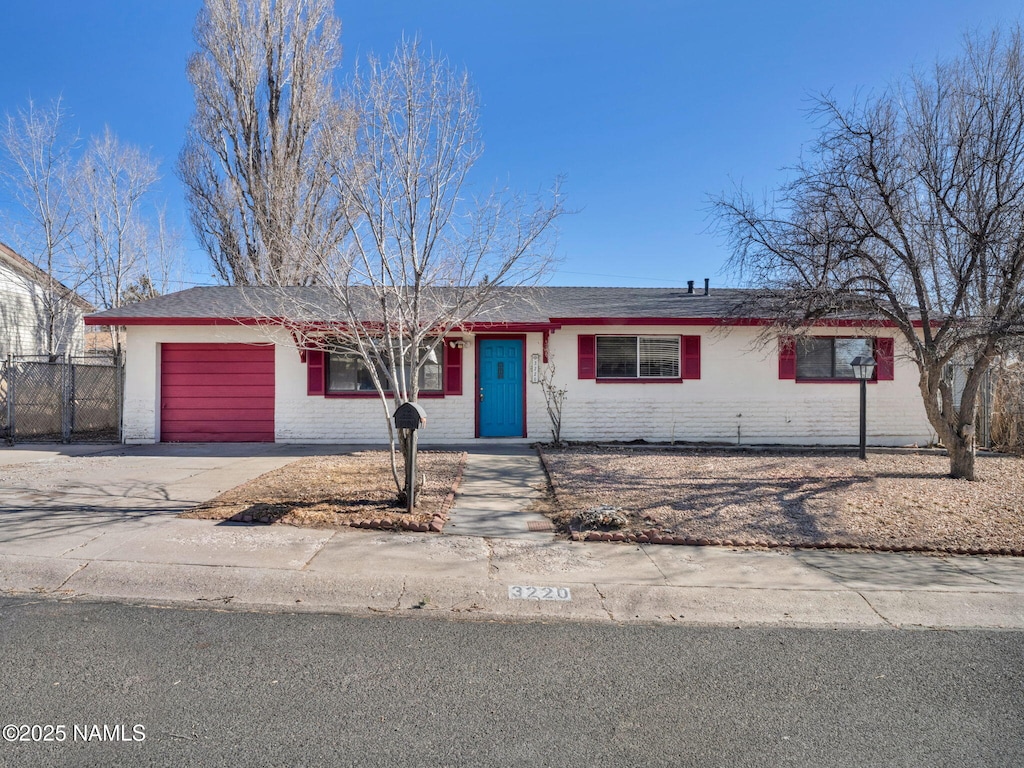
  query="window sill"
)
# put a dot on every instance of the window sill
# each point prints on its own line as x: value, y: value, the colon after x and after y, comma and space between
x: 833, y: 381
x: 677, y: 380
x: 371, y: 395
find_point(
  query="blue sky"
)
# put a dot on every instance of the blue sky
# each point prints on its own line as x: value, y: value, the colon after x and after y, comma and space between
x: 645, y: 107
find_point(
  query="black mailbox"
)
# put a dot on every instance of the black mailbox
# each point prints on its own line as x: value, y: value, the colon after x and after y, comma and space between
x: 410, y: 416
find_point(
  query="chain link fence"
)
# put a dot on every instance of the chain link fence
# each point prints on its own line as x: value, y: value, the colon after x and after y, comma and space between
x: 1000, y: 420
x: 61, y: 398
x: 956, y: 376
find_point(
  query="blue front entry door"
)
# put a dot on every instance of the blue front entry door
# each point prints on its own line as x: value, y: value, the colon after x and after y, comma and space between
x: 500, y: 390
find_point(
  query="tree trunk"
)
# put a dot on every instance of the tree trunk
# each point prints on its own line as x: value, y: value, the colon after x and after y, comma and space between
x: 955, y: 434
x: 961, y: 458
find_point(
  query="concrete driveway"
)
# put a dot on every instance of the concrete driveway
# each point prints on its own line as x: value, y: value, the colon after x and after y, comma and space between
x: 54, y: 499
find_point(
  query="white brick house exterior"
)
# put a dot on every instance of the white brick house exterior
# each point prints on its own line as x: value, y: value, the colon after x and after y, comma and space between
x: 732, y: 388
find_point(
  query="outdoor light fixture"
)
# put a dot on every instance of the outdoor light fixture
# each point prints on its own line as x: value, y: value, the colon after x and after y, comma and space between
x: 863, y: 369
x: 457, y: 344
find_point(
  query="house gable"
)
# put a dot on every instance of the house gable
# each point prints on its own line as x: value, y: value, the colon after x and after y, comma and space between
x: 23, y: 314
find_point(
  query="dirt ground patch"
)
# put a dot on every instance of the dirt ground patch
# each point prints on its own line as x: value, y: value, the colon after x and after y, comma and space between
x: 893, y: 500
x: 337, y: 491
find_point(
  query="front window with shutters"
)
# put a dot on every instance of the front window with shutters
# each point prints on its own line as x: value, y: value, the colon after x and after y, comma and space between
x: 348, y: 372
x: 827, y: 358
x: 637, y: 357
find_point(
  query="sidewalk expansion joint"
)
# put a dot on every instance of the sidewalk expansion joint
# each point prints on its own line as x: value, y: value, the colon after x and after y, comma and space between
x: 834, y: 577
x: 83, y: 544
x: 77, y: 570
x: 956, y: 565
x: 604, y: 607
x: 401, y: 595
x: 319, y: 549
x: 492, y: 569
x: 652, y: 561
x: 874, y: 610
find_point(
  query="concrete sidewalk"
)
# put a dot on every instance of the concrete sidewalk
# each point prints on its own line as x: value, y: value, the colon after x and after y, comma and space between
x: 131, y: 547
x: 496, y: 490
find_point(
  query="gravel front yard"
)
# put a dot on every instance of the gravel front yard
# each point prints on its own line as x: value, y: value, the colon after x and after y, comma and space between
x: 337, y: 491
x: 894, y: 500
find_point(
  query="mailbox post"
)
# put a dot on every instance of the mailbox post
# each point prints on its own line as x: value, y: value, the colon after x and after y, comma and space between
x: 409, y: 417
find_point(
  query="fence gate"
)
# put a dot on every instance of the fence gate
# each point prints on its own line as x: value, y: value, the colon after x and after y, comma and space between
x: 61, y: 398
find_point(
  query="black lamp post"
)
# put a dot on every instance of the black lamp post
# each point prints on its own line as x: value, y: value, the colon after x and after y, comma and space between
x: 863, y: 368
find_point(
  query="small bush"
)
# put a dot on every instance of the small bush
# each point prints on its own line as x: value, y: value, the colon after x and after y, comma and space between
x: 604, y: 516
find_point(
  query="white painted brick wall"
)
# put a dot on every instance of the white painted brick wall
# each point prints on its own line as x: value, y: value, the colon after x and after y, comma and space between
x: 739, y: 387
x: 301, y: 418
x: 23, y: 321
x: 739, y: 398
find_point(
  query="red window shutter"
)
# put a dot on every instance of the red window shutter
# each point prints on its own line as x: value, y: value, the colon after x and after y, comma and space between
x: 587, y: 358
x: 787, y: 357
x: 884, y: 359
x: 315, y: 374
x: 691, y: 356
x: 452, y: 369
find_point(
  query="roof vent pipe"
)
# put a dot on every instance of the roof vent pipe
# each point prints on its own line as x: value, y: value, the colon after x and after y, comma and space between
x: 689, y: 286
x: 707, y: 286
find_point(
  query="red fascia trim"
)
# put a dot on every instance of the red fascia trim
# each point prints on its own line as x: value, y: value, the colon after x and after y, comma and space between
x: 643, y: 321
x: 638, y: 380
x: 497, y: 328
x: 89, y: 320
x: 718, y: 321
x: 554, y: 324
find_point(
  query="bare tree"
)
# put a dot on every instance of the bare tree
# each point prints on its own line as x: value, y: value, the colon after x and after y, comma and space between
x: 421, y: 257
x: 165, y: 266
x: 554, y: 399
x: 115, y: 241
x: 910, y: 208
x: 39, y: 172
x: 252, y: 164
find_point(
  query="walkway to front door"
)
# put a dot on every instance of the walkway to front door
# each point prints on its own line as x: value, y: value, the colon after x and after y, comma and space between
x: 501, y: 387
x: 497, y: 485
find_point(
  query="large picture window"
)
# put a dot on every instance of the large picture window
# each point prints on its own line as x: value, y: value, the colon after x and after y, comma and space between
x: 348, y: 372
x: 637, y: 357
x: 824, y: 358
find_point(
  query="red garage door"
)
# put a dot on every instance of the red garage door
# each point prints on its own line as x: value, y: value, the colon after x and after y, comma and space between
x: 217, y: 393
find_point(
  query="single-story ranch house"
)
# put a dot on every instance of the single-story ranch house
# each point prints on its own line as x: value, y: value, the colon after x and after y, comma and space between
x: 659, y: 364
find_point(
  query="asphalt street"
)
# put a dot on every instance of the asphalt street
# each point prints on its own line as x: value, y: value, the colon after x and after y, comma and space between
x: 226, y: 687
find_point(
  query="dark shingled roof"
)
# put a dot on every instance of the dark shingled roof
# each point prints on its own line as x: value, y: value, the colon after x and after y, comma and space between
x: 512, y: 305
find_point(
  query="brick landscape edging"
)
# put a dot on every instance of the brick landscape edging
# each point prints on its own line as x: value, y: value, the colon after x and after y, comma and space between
x: 551, y: 477
x: 659, y: 537
x: 437, y: 523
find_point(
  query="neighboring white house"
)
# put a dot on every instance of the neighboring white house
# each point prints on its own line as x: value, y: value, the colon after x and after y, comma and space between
x: 31, y: 312
x: 658, y: 364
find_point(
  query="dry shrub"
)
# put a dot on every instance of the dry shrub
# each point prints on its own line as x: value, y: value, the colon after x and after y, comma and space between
x: 1008, y: 407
